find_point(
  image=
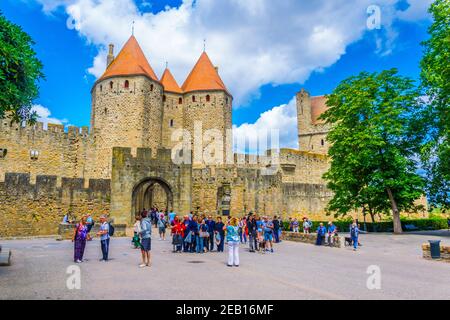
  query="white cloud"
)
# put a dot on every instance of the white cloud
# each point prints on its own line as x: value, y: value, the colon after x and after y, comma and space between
x: 282, y: 119
x: 417, y: 10
x: 44, y: 115
x: 253, y: 42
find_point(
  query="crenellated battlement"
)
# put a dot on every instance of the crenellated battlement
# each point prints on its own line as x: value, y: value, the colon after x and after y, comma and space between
x: 20, y: 183
x: 53, y: 131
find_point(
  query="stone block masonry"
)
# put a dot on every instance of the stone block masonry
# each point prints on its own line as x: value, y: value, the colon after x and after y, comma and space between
x: 28, y: 209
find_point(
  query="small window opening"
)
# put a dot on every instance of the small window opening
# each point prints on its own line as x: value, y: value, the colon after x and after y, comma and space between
x: 208, y: 98
x: 127, y: 84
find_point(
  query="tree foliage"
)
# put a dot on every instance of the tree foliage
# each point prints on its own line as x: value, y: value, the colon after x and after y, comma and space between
x: 435, y: 75
x: 374, y: 138
x: 20, y: 71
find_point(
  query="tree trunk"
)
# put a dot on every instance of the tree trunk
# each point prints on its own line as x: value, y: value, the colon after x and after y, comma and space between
x: 395, y: 213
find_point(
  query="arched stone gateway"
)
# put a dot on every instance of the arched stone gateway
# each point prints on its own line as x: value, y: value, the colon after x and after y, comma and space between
x: 139, y: 181
x: 152, y: 192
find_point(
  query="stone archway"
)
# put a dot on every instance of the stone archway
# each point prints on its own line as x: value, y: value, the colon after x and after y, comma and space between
x: 150, y: 192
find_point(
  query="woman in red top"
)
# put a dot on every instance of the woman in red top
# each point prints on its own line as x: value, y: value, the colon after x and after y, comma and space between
x: 177, y: 235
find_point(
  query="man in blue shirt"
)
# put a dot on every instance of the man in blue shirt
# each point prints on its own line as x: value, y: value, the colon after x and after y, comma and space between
x: 321, y: 231
x: 219, y: 230
x: 331, y: 232
x: 211, y: 226
x: 104, y: 237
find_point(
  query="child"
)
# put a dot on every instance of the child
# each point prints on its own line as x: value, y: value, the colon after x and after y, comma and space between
x: 137, y: 230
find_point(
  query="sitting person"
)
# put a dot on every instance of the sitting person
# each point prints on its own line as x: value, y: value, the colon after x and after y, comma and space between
x: 332, y: 232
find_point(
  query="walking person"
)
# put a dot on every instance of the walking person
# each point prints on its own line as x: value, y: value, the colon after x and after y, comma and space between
x: 146, y: 239
x: 162, y: 224
x: 219, y: 231
x: 104, y: 237
x: 252, y: 240
x: 79, y: 238
x: 211, y: 226
x: 203, y: 237
x: 354, y: 234
x: 268, y: 234
x: 321, y: 231
x: 187, y: 234
x: 295, y: 225
x: 193, y: 227
x: 233, y: 242
x: 276, y: 228
x: 177, y: 234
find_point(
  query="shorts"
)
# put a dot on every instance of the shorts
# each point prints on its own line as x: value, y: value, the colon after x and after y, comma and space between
x: 146, y: 244
x: 268, y: 236
x: 162, y: 230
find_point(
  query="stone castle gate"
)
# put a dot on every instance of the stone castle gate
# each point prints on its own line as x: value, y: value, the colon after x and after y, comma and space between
x: 134, y: 178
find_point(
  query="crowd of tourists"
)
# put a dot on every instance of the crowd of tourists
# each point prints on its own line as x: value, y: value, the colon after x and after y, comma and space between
x: 197, y: 233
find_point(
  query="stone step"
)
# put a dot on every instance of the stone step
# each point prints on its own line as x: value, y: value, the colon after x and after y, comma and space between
x: 5, y: 257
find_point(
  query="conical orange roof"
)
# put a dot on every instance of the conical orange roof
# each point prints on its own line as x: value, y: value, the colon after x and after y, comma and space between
x: 130, y: 61
x: 169, y: 82
x: 203, y: 77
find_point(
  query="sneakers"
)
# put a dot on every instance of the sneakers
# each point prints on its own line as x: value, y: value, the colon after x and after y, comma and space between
x: 142, y: 265
x: 271, y: 250
x: 78, y: 261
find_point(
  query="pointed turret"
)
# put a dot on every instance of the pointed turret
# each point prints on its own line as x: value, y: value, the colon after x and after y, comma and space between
x: 169, y: 82
x: 204, y: 76
x: 130, y: 61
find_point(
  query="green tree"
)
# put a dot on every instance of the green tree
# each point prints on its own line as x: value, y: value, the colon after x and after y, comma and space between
x: 374, y: 139
x: 435, y: 77
x: 20, y: 72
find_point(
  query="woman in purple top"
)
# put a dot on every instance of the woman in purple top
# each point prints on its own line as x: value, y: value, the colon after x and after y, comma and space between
x: 79, y: 238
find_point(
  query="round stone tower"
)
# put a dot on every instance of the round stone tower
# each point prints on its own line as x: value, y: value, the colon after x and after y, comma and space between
x: 127, y: 106
x: 207, y: 107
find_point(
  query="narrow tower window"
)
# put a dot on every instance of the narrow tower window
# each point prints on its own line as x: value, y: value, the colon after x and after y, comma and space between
x: 127, y: 84
x: 180, y: 100
x: 322, y: 142
x: 164, y: 98
x: 111, y: 84
x: 208, y: 98
x: 151, y: 87
x: 101, y: 88
x: 193, y: 98
x: 171, y: 122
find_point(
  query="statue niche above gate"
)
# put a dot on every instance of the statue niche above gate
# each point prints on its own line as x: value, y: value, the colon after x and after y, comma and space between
x: 135, y: 181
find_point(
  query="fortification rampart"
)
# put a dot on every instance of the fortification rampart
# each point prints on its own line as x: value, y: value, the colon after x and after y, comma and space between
x: 28, y: 209
x: 34, y: 150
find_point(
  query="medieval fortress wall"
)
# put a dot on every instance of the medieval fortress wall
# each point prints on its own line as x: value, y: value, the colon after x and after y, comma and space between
x: 127, y: 152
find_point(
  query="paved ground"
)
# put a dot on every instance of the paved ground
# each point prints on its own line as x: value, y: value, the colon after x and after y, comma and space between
x: 294, y: 271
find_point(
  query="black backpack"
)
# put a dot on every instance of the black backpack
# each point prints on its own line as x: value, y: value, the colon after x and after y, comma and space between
x: 111, y: 230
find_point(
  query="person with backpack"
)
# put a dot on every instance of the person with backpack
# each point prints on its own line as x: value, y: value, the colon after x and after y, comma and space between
x: 354, y: 234
x: 276, y: 229
x: 146, y: 239
x: 321, y: 231
x: 177, y: 234
x: 104, y: 234
x: 162, y: 224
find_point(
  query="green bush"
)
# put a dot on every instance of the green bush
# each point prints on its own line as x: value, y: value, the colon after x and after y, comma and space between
x: 383, y: 226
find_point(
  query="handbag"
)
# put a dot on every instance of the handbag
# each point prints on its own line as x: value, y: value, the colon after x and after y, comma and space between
x: 188, y: 238
x: 204, y: 234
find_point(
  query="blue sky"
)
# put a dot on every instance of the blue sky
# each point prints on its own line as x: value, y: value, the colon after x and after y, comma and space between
x: 265, y: 68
